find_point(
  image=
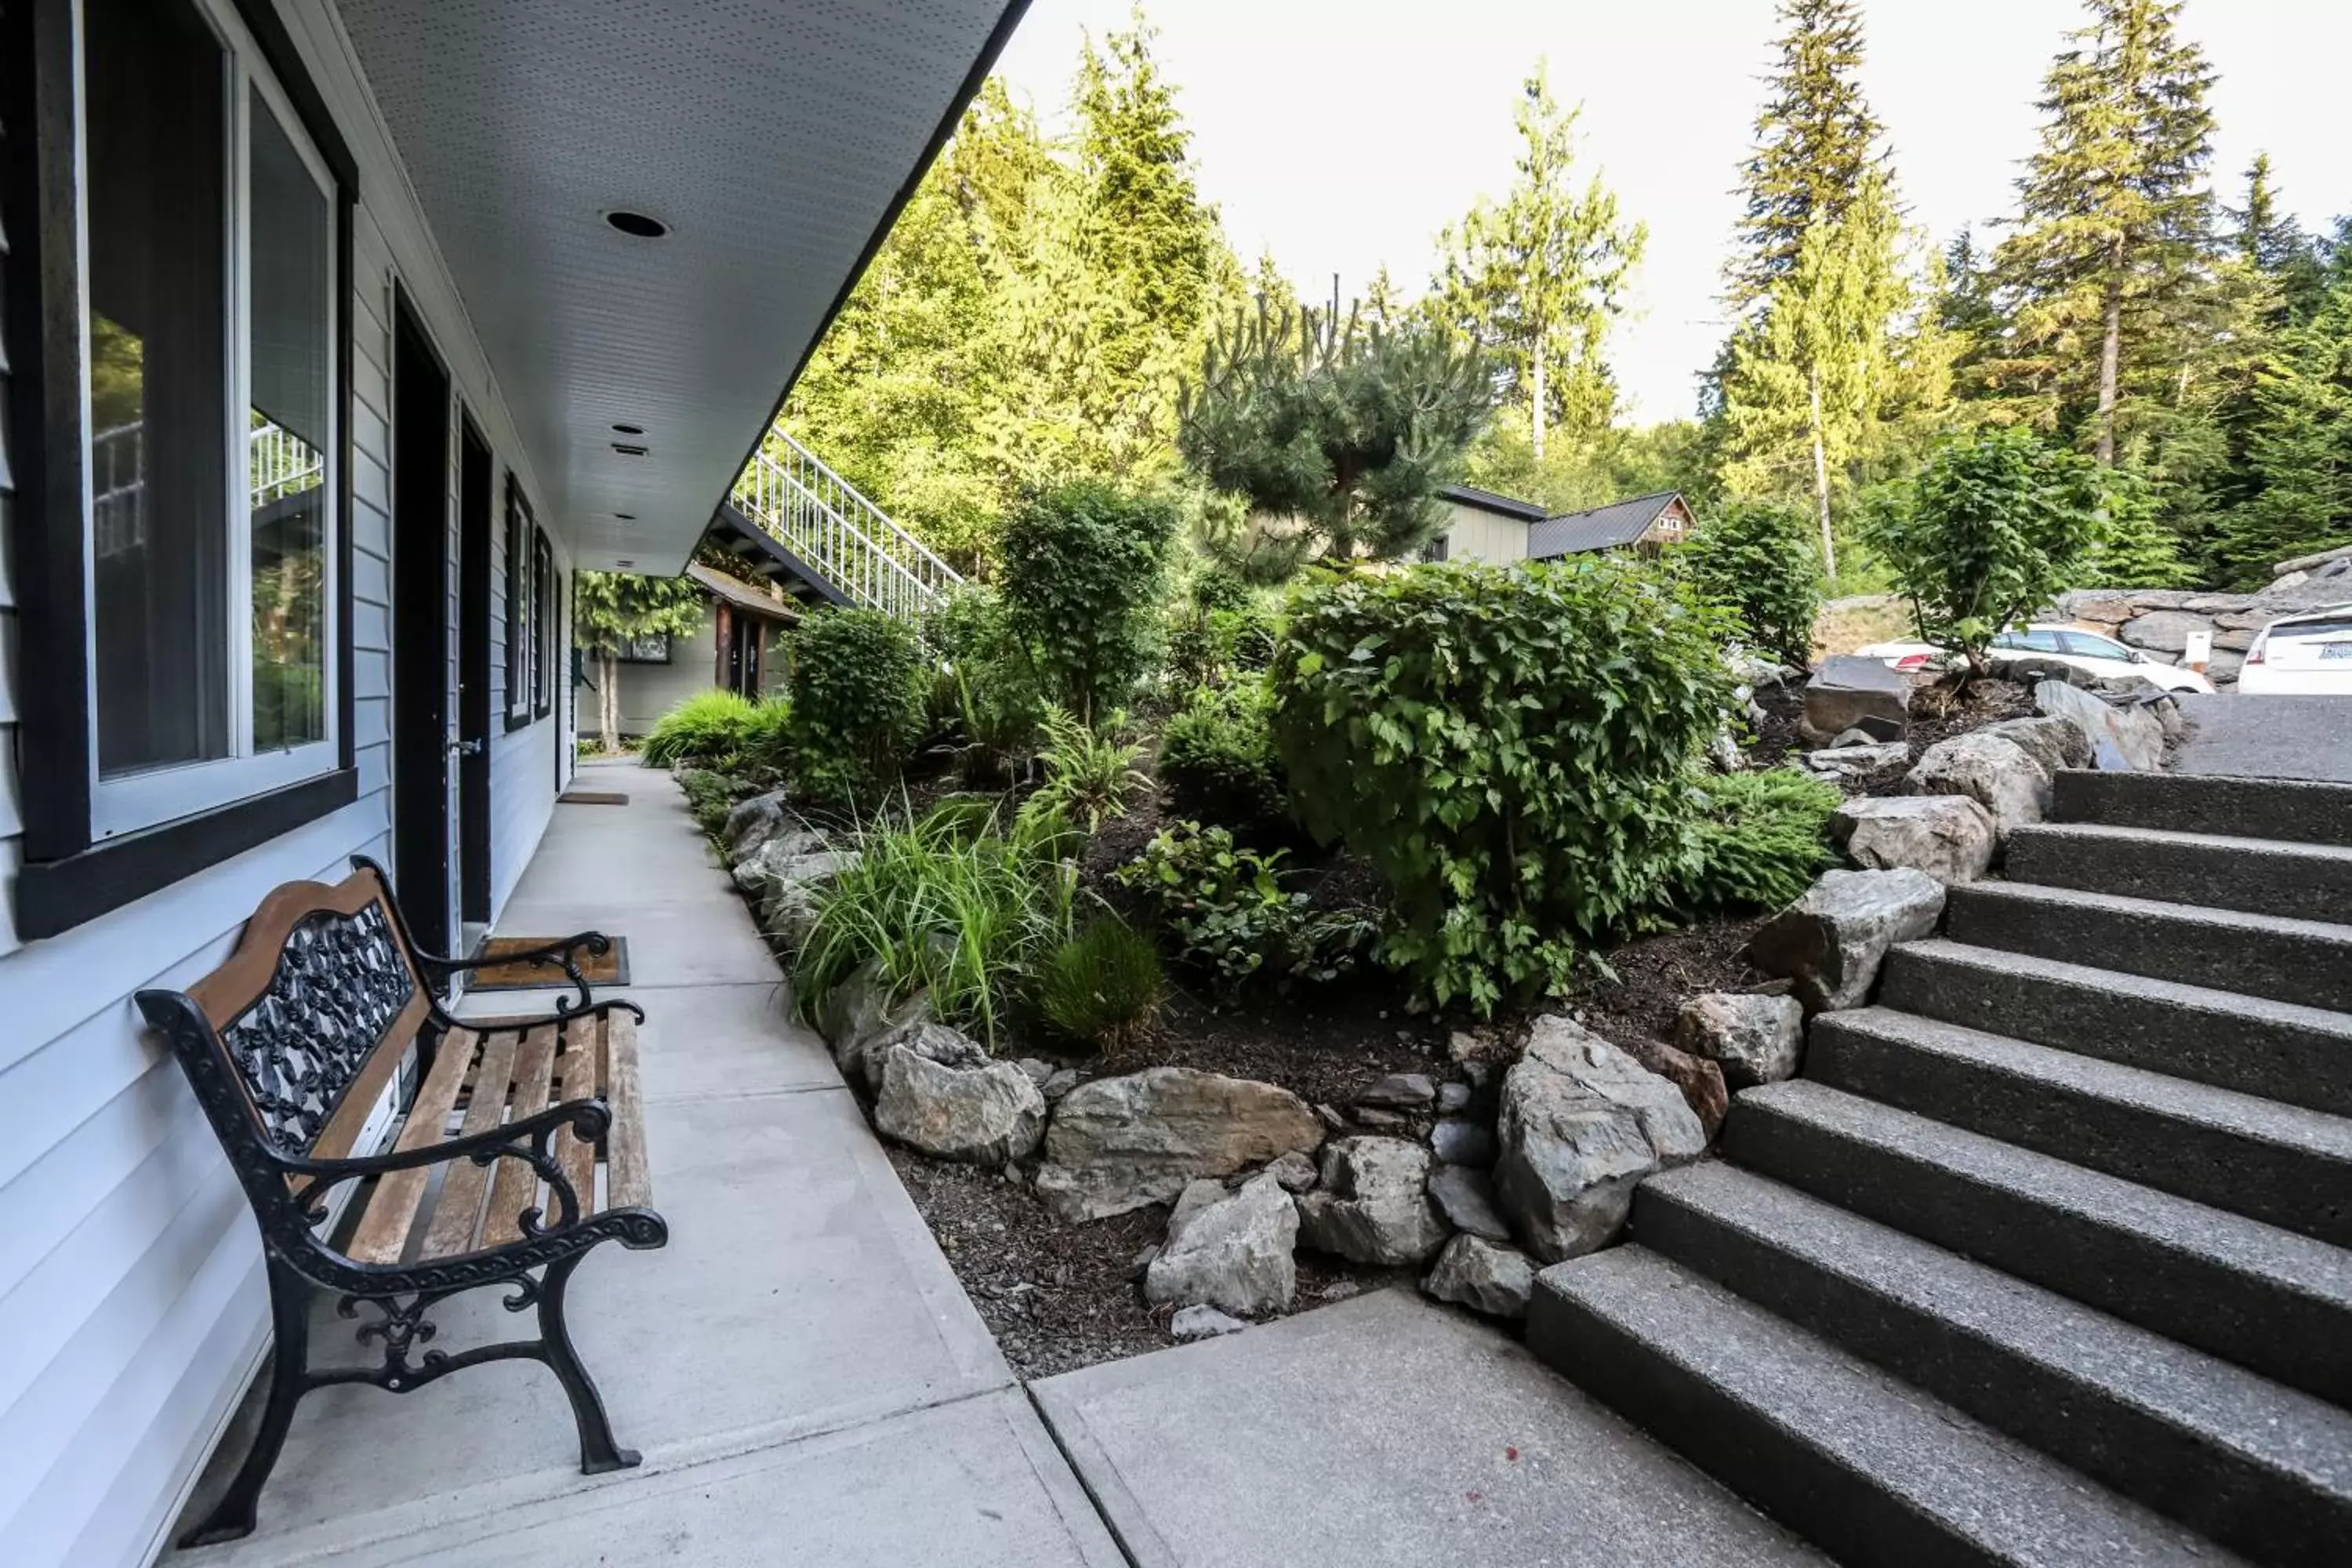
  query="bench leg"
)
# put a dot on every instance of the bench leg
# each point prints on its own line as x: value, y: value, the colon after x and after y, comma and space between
x: 238, y: 1511
x: 598, y: 1451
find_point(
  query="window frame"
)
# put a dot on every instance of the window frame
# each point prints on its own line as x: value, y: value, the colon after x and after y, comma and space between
x: 88, y: 846
x: 520, y: 601
x: 546, y: 608
x: 668, y: 654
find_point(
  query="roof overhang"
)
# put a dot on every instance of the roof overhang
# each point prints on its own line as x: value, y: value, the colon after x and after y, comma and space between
x: 742, y: 596
x: 776, y: 139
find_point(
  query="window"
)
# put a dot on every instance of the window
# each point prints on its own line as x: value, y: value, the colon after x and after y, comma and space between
x: 182, y: 513
x: 2085, y: 646
x: 1437, y: 549
x: 522, y: 626
x: 544, y: 617
x: 2029, y: 642
x: 654, y: 648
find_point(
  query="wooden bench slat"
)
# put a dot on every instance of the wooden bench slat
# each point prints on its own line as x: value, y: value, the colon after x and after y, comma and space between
x: 458, y: 1212
x: 577, y: 1079
x: 515, y: 1187
x: 383, y: 1232
x: 628, y: 1182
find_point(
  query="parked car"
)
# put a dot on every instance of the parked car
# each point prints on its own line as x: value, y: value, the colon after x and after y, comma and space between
x: 2086, y: 651
x: 2303, y: 655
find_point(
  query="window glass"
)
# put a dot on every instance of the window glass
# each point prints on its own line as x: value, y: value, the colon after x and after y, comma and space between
x: 2039, y: 642
x: 156, y: 123
x: 291, y: 321
x: 2086, y: 646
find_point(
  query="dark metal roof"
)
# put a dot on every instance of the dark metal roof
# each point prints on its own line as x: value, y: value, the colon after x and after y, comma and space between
x: 1488, y: 500
x: 1602, y: 528
x: 743, y: 595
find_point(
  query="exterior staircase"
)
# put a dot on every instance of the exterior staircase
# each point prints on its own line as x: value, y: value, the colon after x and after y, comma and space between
x: 2047, y: 1257
x: 840, y: 545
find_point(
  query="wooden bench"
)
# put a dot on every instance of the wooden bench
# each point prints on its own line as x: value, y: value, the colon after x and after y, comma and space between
x: 494, y: 1179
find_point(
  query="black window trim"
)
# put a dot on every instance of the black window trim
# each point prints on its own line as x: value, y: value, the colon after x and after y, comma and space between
x: 547, y: 614
x: 514, y: 691
x: 65, y: 879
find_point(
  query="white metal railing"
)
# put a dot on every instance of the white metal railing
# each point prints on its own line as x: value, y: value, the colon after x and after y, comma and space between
x: 841, y: 536
x: 278, y: 464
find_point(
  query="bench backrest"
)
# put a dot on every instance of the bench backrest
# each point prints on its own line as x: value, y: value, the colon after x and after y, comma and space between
x: 306, y: 1021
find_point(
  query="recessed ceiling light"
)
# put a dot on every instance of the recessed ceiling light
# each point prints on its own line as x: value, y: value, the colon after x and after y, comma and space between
x: 637, y: 226
x: 629, y: 429
x: 626, y: 516
x: 625, y: 561
x: 629, y: 450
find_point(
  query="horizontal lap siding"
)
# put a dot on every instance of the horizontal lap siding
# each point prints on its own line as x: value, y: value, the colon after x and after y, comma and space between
x: 650, y: 690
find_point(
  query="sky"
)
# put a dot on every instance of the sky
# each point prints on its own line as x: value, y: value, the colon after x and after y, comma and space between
x: 1341, y: 135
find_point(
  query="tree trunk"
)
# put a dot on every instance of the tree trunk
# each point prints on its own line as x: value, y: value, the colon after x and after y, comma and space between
x: 608, y: 698
x: 2111, y: 365
x: 1821, y: 479
x: 1542, y: 408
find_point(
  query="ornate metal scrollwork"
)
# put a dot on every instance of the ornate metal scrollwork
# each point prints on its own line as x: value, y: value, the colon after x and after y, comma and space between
x: 340, y: 983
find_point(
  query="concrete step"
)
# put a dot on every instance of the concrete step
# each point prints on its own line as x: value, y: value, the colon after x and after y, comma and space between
x: 2306, y: 962
x: 1874, y: 1470
x: 2278, y: 1050
x: 2266, y: 1299
x: 2278, y: 1164
x: 2260, y: 875
x: 2304, y: 812
x: 2262, y: 1468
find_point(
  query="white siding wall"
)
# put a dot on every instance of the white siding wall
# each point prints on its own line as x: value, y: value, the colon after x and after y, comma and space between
x: 1480, y: 535
x: 131, y: 1302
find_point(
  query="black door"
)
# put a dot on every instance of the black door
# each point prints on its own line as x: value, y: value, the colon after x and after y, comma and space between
x: 476, y: 490
x: 420, y: 630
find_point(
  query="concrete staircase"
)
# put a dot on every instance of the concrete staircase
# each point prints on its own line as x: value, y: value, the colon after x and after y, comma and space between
x: 2048, y: 1257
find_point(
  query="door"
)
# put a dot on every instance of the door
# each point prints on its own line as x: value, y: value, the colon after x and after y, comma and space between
x: 421, y: 741
x: 477, y: 492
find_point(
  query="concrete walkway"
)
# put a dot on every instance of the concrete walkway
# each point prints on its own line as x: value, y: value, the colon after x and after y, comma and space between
x: 2267, y: 737
x: 804, y: 1376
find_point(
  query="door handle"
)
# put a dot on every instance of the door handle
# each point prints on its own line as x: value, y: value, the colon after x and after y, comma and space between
x: 465, y: 748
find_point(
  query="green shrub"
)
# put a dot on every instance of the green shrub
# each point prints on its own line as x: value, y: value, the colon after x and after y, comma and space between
x: 1509, y: 747
x: 1082, y: 570
x: 965, y: 913
x: 1762, y: 839
x: 1088, y: 775
x: 984, y: 693
x: 1218, y: 763
x: 1758, y: 560
x: 1229, y: 913
x: 857, y: 703
x: 707, y: 726
x: 710, y: 797
x: 1104, y: 985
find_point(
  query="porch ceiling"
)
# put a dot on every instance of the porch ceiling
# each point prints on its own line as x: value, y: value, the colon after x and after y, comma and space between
x: 772, y: 136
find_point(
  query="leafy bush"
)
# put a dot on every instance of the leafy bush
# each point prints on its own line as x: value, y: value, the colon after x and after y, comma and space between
x: 985, y: 691
x: 1218, y: 763
x: 1088, y: 775
x: 1758, y: 560
x: 710, y: 796
x: 964, y: 911
x: 707, y: 726
x: 1229, y: 913
x: 857, y: 703
x: 1082, y: 570
x: 1509, y: 747
x: 1988, y: 531
x: 1762, y: 839
x: 1103, y: 986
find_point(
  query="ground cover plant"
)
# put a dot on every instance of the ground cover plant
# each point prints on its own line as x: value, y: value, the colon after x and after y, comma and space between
x: 1758, y: 840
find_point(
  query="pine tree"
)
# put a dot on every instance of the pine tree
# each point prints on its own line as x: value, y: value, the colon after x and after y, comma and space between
x: 2299, y: 450
x: 1538, y: 277
x: 2115, y: 229
x: 2271, y: 244
x: 610, y: 610
x: 1966, y: 309
x: 1815, y: 140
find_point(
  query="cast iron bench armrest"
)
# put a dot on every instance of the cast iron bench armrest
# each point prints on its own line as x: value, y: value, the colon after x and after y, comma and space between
x: 560, y: 952
x: 526, y: 1140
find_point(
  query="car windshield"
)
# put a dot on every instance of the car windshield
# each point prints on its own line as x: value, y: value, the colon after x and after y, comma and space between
x: 2333, y: 627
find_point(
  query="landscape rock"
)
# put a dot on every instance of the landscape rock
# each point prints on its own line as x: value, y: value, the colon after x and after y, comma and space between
x: 1755, y: 1039
x: 1950, y: 837
x: 2057, y: 741
x: 1476, y: 1273
x: 1466, y: 1198
x: 787, y: 886
x: 1996, y: 773
x: 1296, y: 1171
x: 1063, y: 1080
x: 1459, y: 1141
x: 2125, y: 736
x: 1452, y: 1098
x: 751, y: 823
x: 2167, y: 631
x: 1847, y: 762
x: 1373, y: 1206
x: 1372, y: 1116
x: 857, y: 1024
x: 1038, y: 1071
x: 933, y: 1042
x: 1202, y: 1323
x: 1581, y: 1122
x: 1400, y: 1091
x: 1851, y: 692
x: 984, y: 1115
x: 1476, y: 1048
x: 1830, y: 942
x: 1232, y: 1251
x: 1118, y: 1144
x: 1700, y: 1080
x: 777, y: 858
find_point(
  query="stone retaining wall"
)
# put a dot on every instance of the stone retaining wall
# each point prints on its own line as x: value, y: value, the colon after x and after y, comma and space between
x: 2159, y: 620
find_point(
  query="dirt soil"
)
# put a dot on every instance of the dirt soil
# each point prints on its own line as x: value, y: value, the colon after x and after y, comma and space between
x: 1936, y: 714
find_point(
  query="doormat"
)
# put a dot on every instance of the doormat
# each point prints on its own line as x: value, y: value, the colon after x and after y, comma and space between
x: 592, y: 798
x: 608, y: 968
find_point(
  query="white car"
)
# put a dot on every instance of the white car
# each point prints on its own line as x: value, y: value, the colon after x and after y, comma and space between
x: 2086, y: 651
x: 2305, y: 655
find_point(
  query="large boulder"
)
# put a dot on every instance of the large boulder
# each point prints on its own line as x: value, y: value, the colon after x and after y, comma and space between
x: 1118, y: 1144
x: 1755, y: 1039
x: 1853, y: 762
x: 1849, y: 693
x: 2166, y: 631
x: 1483, y: 1276
x: 987, y: 1115
x: 1830, y: 942
x: 1374, y: 1205
x: 2056, y: 742
x: 2127, y: 736
x: 1700, y: 1080
x: 1950, y: 837
x: 857, y: 1019
x: 751, y: 823
x: 1992, y: 769
x: 776, y: 854
x: 932, y: 1041
x: 1228, y: 1250
x: 1581, y: 1123
x: 785, y: 885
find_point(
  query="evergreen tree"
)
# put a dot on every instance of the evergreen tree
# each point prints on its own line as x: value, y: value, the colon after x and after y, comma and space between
x: 2299, y: 450
x: 2272, y: 245
x: 1538, y: 277
x: 2114, y: 230
x: 611, y: 610
x: 1815, y: 138
x: 1965, y: 307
